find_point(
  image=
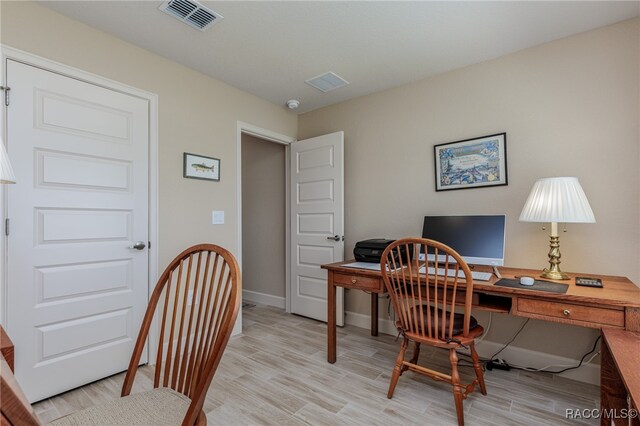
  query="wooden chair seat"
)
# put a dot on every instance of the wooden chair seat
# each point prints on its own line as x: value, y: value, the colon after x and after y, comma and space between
x: 457, y: 340
x: 160, y: 406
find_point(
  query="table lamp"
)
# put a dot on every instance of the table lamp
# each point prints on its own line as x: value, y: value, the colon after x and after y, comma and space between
x: 557, y: 200
x: 6, y: 171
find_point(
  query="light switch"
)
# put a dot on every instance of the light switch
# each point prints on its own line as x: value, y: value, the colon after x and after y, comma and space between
x: 217, y: 217
x: 192, y: 298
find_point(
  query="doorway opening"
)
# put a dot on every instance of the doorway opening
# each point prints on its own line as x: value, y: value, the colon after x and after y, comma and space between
x: 264, y: 223
x: 254, y: 294
x: 313, y: 215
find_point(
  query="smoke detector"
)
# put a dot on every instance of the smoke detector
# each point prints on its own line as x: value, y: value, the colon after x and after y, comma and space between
x: 293, y: 104
x: 191, y: 13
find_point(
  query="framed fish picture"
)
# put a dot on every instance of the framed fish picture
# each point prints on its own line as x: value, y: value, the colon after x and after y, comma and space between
x: 201, y: 167
x: 471, y: 163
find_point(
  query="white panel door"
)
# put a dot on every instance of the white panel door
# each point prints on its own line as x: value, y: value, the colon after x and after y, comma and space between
x: 317, y: 222
x: 76, y: 290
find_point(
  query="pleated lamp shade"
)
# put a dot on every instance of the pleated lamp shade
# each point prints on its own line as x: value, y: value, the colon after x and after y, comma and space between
x: 6, y: 171
x: 558, y: 199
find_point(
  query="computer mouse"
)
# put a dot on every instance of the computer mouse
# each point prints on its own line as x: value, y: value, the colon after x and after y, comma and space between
x: 526, y: 281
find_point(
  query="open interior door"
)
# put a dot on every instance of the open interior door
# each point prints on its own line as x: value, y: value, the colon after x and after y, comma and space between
x: 317, y: 222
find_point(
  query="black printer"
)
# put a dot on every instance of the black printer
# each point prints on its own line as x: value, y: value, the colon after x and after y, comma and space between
x: 371, y: 250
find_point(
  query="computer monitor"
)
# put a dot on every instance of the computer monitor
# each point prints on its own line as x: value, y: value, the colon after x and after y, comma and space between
x: 478, y: 239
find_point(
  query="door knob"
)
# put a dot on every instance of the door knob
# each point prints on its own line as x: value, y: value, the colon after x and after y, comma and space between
x: 334, y: 238
x: 139, y: 245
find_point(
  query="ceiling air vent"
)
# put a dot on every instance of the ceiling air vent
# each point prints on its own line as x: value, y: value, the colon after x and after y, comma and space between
x: 327, y: 82
x: 191, y: 13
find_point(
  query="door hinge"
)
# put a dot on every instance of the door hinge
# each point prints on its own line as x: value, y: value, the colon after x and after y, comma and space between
x: 6, y: 90
x: 6, y: 227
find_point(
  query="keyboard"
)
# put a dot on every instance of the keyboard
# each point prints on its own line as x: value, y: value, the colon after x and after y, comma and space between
x: 477, y: 275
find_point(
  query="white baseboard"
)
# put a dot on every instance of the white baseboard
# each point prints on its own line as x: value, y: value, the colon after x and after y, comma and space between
x: 364, y: 321
x: 263, y: 299
x: 588, y: 373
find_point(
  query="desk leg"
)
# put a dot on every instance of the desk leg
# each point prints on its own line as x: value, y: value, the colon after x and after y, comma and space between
x: 331, y: 319
x: 613, y: 394
x: 374, y: 314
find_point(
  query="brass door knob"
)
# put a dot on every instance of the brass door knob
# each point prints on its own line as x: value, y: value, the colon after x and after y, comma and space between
x: 566, y: 312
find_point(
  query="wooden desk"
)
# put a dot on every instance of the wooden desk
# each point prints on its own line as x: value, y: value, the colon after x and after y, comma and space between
x: 616, y: 305
x: 619, y: 376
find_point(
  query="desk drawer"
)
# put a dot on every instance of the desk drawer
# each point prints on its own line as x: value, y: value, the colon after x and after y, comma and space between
x: 359, y: 282
x: 572, y: 312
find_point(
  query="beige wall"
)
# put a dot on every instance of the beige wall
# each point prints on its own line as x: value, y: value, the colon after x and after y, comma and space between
x: 263, y: 216
x: 196, y: 114
x: 570, y: 108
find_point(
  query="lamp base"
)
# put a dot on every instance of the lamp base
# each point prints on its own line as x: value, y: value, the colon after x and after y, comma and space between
x: 554, y: 275
x: 554, y: 272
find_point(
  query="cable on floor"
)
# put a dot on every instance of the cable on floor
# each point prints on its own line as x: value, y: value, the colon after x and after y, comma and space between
x: 569, y: 367
x: 582, y: 362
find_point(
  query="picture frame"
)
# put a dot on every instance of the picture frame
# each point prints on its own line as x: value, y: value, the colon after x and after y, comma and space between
x: 471, y: 163
x: 201, y: 167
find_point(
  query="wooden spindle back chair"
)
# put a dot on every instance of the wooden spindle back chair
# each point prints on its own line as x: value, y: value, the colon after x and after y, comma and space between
x: 200, y: 293
x: 194, y: 331
x: 424, y: 304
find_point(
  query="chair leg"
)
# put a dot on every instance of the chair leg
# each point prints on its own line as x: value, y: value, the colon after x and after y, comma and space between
x: 478, y: 368
x: 397, y: 370
x: 457, y: 389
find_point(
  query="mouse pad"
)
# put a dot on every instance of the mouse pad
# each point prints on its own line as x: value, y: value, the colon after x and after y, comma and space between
x: 549, y: 286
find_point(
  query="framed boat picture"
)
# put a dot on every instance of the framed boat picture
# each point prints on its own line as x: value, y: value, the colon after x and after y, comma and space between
x: 201, y: 167
x: 471, y: 163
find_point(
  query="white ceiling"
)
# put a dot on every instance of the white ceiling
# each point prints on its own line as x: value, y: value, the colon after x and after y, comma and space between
x: 270, y: 48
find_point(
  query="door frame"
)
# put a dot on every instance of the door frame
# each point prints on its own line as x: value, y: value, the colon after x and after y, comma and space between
x: 10, y: 53
x: 285, y: 140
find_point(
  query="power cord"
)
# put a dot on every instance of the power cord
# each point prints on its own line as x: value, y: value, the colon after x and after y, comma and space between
x: 501, y: 364
x: 487, y: 329
x: 569, y: 367
x: 510, y: 341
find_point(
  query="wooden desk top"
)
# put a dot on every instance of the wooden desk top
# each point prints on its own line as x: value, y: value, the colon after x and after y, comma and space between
x: 624, y: 347
x: 616, y: 291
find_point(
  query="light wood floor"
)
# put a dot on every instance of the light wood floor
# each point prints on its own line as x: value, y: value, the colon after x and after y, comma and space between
x: 269, y: 377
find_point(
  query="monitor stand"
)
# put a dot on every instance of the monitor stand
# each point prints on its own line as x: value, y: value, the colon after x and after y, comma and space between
x: 496, y: 272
